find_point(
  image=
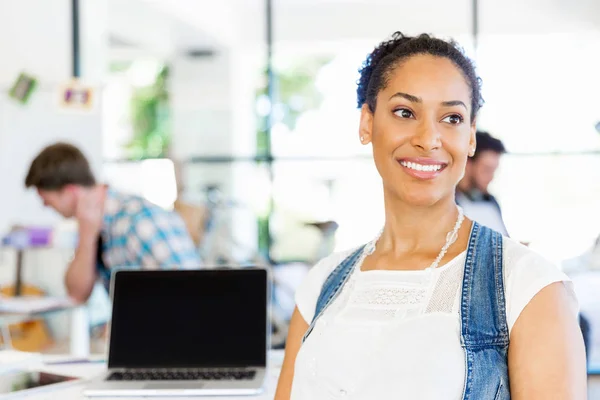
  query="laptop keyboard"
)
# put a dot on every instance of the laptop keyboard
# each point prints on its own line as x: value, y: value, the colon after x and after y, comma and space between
x: 182, y: 375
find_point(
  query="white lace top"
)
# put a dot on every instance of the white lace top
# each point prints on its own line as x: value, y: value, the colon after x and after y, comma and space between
x: 396, y: 334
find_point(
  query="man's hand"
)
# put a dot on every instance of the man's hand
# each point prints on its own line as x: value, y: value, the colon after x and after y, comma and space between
x: 90, y: 209
x: 89, y: 213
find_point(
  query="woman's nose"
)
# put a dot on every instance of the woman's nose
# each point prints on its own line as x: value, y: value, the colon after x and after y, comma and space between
x: 427, y: 136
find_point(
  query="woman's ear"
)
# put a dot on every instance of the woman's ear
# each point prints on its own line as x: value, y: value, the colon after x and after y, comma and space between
x: 365, y: 129
x: 473, y: 138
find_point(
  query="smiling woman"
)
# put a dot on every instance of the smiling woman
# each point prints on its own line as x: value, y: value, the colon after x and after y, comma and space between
x: 437, y: 306
x: 424, y: 120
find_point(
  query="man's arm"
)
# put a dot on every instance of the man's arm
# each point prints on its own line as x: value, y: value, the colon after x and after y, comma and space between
x: 81, y: 274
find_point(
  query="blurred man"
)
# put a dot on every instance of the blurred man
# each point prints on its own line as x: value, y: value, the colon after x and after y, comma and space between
x: 115, y: 230
x: 472, y: 192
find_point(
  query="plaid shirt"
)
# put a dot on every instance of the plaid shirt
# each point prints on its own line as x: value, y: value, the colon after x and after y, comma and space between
x: 138, y: 234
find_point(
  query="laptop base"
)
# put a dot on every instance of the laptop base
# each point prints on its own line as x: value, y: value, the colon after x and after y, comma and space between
x: 104, y: 388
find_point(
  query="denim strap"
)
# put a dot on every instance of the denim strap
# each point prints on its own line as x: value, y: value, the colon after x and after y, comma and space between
x: 484, y: 330
x: 333, y: 286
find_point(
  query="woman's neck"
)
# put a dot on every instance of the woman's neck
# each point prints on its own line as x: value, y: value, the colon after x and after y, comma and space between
x: 410, y: 228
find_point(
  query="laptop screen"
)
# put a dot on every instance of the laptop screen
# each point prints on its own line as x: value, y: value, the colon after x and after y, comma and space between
x: 187, y: 319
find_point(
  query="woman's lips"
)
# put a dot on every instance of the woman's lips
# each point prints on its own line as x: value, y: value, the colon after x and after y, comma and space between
x: 422, y: 168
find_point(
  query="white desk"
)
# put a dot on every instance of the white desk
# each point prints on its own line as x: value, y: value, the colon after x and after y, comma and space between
x: 80, y: 325
x: 90, y: 370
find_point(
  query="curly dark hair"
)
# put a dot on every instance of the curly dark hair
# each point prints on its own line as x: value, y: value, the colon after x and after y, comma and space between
x: 376, y: 69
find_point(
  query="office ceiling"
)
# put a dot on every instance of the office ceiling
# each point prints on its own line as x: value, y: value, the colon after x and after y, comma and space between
x: 172, y: 26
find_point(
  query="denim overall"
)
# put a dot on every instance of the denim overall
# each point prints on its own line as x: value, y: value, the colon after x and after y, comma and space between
x: 484, y: 330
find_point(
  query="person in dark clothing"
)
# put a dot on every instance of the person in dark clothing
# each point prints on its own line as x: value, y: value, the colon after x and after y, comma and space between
x: 472, y: 192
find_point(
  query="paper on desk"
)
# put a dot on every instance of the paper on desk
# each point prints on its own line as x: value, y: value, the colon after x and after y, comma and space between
x: 29, y: 305
x: 11, y: 360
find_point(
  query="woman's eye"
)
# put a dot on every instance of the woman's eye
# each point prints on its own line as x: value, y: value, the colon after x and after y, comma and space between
x: 454, y: 119
x: 403, y: 113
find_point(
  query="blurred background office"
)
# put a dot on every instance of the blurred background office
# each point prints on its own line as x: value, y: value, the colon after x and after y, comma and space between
x: 240, y: 114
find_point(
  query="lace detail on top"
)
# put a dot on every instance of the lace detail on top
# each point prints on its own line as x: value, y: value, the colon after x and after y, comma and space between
x: 396, y: 296
x: 447, y: 290
x: 385, y: 296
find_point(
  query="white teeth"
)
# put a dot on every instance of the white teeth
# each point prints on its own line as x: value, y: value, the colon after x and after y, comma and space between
x: 420, y: 167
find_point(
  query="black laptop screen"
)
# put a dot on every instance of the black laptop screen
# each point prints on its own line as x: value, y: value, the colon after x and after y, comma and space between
x: 200, y: 318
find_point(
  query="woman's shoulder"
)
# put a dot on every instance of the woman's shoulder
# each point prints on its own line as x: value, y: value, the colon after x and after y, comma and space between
x: 327, y: 264
x: 309, y: 290
x: 526, y: 273
x: 518, y: 256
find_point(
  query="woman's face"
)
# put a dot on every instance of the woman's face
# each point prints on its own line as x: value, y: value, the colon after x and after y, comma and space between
x: 421, y: 130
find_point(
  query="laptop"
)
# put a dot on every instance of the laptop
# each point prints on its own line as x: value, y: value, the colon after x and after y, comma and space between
x: 187, y: 333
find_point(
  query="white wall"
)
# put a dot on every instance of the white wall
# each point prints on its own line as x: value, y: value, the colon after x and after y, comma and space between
x: 37, y: 40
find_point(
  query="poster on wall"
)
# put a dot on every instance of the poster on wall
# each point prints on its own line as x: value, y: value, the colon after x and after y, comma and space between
x: 76, y: 96
x: 22, y: 88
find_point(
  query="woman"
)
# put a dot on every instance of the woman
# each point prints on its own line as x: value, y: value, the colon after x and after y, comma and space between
x: 436, y: 306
